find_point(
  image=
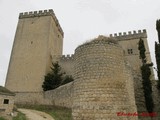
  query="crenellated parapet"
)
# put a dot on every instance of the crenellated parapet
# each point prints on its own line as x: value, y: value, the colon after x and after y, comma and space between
x: 40, y: 13
x: 67, y: 57
x: 130, y: 35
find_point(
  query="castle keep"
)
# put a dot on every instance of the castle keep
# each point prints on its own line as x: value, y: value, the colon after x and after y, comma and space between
x: 106, y: 70
x: 38, y: 39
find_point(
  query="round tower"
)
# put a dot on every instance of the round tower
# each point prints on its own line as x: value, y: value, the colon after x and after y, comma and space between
x: 103, y: 85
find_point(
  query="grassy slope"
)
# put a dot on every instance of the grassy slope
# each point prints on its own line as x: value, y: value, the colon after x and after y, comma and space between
x: 1, y: 118
x: 58, y: 113
x: 20, y: 116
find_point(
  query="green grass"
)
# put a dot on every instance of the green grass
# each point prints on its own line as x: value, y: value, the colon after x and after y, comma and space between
x: 1, y: 118
x: 20, y: 116
x: 58, y: 113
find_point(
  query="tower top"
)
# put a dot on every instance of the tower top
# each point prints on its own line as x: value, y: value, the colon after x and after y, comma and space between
x: 130, y: 35
x: 41, y: 13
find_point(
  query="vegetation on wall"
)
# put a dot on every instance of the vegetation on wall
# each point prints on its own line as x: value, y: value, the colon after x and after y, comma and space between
x: 157, y: 52
x: 55, y: 78
x: 146, y: 73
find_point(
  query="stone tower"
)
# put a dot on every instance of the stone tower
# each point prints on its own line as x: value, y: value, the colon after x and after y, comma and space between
x: 38, y: 39
x: 103, y: 83
x: 129, y: 42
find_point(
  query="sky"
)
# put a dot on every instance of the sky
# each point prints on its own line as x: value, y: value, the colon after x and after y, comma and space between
x: 81, y: 20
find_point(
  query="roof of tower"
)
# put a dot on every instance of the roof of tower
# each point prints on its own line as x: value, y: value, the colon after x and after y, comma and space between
x: 40, y: 13
x: 102, y: 39
x: 130, y: 35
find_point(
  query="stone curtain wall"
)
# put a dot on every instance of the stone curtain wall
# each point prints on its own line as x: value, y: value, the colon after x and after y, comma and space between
x: 67, y: 64
x: 30, y: 98
x: 62, y: 96
x: 102, y: 83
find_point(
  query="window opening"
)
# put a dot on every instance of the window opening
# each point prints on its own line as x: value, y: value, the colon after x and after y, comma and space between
x: 6, y: 101
x: 130, y: 51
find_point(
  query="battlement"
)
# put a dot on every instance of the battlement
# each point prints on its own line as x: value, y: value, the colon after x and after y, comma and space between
x: 130, y: 35
x: 40, y: 13
x: 36, y: 13
x: 67, y: 57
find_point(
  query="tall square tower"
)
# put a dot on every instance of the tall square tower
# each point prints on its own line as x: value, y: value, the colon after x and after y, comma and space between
x: 38, y: 39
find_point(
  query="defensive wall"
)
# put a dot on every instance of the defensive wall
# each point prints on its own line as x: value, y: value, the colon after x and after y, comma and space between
x: 61, y: 96
x: 129, y: 35
x: 29, y: 98
x: 128, y: 41
x: 67, y: 64
x: 103, y: 80
x: 103, y: 85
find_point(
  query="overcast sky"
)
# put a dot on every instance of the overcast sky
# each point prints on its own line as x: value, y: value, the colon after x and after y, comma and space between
x: 80, y: 20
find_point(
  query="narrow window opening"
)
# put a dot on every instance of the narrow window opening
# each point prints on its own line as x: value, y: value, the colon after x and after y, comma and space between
x: 6, y: 101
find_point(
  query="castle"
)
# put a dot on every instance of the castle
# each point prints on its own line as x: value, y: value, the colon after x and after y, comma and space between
x: 106, y: 70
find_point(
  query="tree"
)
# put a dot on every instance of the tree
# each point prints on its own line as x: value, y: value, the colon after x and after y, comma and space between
x: 157, y: 52
x: 142, y: 51
x: 158, y: 29
x: 146, y: 73
x: 54, y: 78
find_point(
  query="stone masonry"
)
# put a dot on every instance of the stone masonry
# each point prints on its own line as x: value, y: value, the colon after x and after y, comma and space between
x: 6, y: 101
x: 38, y: 39
x: 106, y: 70
x: 129, y: 42
x: 103, y: 85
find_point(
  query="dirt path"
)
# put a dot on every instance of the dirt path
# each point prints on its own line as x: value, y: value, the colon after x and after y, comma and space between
x: 35, y: 115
